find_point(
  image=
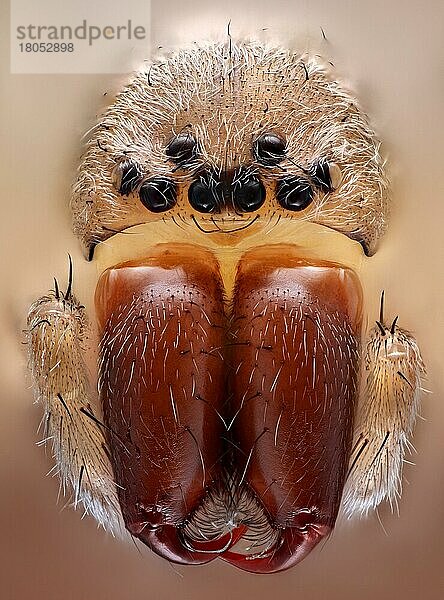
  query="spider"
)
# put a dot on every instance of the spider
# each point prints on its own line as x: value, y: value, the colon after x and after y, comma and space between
x: 228, y: 197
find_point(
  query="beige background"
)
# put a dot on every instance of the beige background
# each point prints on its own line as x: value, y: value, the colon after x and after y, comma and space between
x: 392, y: 51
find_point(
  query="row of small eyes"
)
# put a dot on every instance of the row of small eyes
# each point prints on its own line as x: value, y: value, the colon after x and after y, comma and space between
x: 208, y: 193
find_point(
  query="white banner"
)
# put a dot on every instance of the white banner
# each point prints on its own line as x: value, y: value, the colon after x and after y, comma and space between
x: 79, y: 36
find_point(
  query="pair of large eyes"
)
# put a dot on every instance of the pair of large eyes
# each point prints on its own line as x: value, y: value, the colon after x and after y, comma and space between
x: 296, y: 193
x: 207, y: 194
x: 269, y: 149
x: 157, y: 194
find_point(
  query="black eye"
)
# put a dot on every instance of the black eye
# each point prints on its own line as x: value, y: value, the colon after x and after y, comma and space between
x: 320, y: 174
x: 205, y: 196
x: 249, y: 195
x: 294, y: 193
x: 182, y: 148
x: 127, y: 175
x: 270, y: 149
x: 158, y: 194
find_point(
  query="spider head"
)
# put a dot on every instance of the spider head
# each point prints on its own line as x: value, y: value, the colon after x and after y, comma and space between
x: 229, y: 141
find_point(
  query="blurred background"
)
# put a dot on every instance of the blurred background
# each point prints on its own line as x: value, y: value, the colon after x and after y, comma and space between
x: 392, y: 52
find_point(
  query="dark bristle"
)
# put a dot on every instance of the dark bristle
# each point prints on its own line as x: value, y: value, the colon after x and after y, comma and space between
x: 69, y: 288
x: 381, y: 308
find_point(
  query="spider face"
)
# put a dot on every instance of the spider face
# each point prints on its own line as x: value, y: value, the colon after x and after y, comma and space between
x: 222, y: 196
x: 229, y: 137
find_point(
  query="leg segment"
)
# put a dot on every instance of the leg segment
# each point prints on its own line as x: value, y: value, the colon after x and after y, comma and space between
x: 56, y: 326
x: 389, y: 404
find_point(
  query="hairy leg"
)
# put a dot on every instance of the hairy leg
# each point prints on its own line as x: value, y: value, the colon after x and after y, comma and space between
x: 390, y: 400
x: 56, y: 332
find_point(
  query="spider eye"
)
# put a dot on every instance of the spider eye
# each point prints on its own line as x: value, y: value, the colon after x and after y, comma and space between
x: 294, y: 193
x: 158, y: 194
x: 126, y: 176
x: 249, y: 195
x: 270, y: 149
x: 204, y: 196
x: 182, y: 148
x: 325, y: 175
